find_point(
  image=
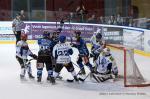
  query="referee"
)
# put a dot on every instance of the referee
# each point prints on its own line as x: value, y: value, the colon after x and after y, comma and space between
x: 17, y: 26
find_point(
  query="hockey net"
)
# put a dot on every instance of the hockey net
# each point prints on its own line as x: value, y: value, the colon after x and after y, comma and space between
x: 127, y: 67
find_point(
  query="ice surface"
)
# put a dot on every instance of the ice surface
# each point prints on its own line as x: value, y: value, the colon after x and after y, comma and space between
x: 12, y: 88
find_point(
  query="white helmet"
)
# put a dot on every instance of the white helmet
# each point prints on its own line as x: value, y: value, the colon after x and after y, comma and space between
x: 106, y: 51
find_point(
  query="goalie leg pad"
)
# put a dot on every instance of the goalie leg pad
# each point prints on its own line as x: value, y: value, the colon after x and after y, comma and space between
x: 95, y: 77
x: 101, y: 78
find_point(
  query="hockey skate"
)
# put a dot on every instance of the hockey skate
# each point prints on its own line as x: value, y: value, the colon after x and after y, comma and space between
x: 22, y: 74
x: 59, y: 77
x: 22, y: 77
x: 48, y: 78
x: 51, y: 79
x: 39, y: 79
x: 31, y: 76
x: 76, y: 79
x: 72, y: 80
x: 82, y: 72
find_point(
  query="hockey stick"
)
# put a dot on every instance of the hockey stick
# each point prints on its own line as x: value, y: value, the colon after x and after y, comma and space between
x: 71, y: 80
x: 75, y: 64
x: 27, y: 62
x: 84, y: 78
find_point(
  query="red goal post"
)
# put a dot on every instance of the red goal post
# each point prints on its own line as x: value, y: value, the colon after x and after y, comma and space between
x: 127, y: 67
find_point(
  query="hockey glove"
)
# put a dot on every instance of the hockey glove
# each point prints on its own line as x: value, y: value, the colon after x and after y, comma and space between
x: 34, y: 56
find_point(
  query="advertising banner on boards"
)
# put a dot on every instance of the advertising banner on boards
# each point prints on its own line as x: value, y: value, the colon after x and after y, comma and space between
x: 35, y: 30
x: 128, y: 36
x: 113, y: 35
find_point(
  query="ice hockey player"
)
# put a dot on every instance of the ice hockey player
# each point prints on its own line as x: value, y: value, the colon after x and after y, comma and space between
x: 98, y: 44
x: 55, y: 39
x: 44, y: 56
x: 61, y: 53
x: 105, y: 67
x: 83, y: 56
x: 22, y: 51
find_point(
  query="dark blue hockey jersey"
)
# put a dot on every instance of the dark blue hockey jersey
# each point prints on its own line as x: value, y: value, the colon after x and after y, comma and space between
x: 45, y: 46
x: 81, y: 46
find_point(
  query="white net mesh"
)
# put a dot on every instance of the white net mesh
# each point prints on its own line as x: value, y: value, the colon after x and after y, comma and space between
x: 133, y: 75
x: 127, y: 66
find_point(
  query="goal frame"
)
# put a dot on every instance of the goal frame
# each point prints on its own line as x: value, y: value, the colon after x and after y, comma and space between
x: 120, y: 47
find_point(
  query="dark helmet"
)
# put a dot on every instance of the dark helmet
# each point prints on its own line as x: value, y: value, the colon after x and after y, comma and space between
x: 62, y: 39
x: 24, y: 36
x: 77, y: 33
x: 46, y: 34
x: 55, y: 34
x: 18, y: 14
x: 98, y: 36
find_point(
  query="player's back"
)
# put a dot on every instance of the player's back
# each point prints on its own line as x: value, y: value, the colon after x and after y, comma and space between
x: 61, y: 51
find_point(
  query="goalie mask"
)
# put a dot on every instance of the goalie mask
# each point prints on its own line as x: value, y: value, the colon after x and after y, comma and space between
x: 106, y: 51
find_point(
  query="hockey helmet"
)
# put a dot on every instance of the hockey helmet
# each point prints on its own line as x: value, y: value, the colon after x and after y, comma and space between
x: 46, y: 34
x: 98, y: 36
x: 106, y: 51
x: 18, y: 14
x: 54, y: 35
x: 24, y: 36
x: 77, y: 33
x: 62, y: 39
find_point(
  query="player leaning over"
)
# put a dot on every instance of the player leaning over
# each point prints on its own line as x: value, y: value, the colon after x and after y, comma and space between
x: 80, y: 44
x: 105, y: 67
x: 61, y: 53
x: 98, y: 44
x: 22, y: 51
x: 44, y: 56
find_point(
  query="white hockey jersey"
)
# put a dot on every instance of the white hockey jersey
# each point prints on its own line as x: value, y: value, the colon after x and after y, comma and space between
x: 97, y: 46
x: 60, y: 52
x: 22, y: 49
x: 102, y: 63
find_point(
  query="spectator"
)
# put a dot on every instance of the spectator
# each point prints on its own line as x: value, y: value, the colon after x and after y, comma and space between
x: 101, y: 20
x: 81, y: 12
x: 22, y: 14
x: 92, y: 19
x: 131, y: 22
x: 119, y: 19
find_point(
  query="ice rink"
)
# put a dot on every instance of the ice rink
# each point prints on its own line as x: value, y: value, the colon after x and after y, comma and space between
x: 12, y: 88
